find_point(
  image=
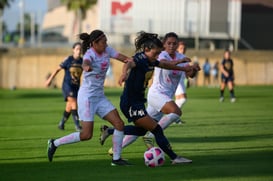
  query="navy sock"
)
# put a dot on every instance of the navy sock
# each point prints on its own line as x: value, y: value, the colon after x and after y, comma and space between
x: 75, y: 117
x: 221, y: 93
x: 232, y: 93
x: 65, y: 117
x: 130, y: 130
x: 162, y: 142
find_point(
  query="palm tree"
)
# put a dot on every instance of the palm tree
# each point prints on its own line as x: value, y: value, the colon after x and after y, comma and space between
x: 80, y: 7
x: 3, y: 5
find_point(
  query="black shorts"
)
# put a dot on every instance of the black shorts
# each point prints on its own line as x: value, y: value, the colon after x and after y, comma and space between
x: 133, y: 112
x: 70, y: 92
x: 227, y: 79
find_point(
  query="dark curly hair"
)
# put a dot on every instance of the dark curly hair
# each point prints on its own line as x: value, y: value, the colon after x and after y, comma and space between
x: 147, y: 40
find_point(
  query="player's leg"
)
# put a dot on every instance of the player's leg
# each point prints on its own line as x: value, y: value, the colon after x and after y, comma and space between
x: 85, y: 134
x: 231, y: 91
x: 172, y: 114
x: 66, y: 115
x: 108, y: 112
x: 222, y: 88
x: 149, y: 124
x: 73, y: 105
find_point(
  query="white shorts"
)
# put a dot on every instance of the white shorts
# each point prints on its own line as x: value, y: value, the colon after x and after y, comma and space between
x: 89, y: 106
x: 156, y: 101
x: 181, y: 88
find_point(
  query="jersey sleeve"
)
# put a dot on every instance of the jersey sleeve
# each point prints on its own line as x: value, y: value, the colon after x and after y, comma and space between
x: 64, y: 64
x: 112, y: 52
x: 163, y: 56
x: 87, y: 56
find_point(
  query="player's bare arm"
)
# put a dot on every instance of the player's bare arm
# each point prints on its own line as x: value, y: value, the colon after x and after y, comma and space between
x: 172, y: 66
x: 86, y: 65
x: 123, y: 58
x: 125, y: 71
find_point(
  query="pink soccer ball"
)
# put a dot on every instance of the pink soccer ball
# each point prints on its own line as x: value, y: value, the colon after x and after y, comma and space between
x: 154, y: 157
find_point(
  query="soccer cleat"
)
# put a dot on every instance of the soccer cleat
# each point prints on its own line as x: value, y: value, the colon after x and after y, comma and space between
x: 181, y: 160
x: 110, y: 152
x: 61, y: 126
x: 233, y: 99
x: 221, y: 99
x: 51, y: 148
x: 148, y: 140
x: 120, y: 162
x: 103, y: 134
x: 179, y: 121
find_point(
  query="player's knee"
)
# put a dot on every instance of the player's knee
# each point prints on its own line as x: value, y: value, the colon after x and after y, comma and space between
x: 119, y: 125
x: 86, y: 136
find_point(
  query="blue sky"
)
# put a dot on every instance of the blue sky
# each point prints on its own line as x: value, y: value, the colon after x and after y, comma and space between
x: 12, y: 14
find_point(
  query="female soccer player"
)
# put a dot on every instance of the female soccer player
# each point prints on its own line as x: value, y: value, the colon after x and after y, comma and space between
x: 132, y: 101
x: 227, y: 77
x: 91, y: 98
x: 180, y: 93
x: 162, y: 90
x: 72, y: 66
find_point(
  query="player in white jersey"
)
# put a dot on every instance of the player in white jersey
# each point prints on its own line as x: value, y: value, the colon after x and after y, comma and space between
x: 180, y: 93
x: 91, y: 98
x: 161, y: 105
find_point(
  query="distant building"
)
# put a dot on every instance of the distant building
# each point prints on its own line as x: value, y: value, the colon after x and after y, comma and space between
x: 202, y: 23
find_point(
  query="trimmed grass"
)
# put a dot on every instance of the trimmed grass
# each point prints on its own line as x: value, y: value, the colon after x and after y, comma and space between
x: 226, y: 141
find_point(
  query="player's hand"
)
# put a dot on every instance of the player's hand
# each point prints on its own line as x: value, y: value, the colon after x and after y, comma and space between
x: 186, y: 59
x: 122, y: 79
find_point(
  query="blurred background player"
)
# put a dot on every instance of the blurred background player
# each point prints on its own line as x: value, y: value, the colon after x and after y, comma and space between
x: 227, y: 77
x: 72, y: 67
x: 215, y: 74
x: 180, y: 93
x: 206, y: 71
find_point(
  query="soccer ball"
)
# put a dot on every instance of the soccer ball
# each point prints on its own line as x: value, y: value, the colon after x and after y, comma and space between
x: 154, y: 157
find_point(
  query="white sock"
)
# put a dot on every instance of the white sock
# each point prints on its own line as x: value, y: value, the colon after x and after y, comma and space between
x: 180, y: 102
x: 128, y: 139
x: 117, y: 144
x: 68, y: 139
x: 168, y: 119
x: 149, y: 135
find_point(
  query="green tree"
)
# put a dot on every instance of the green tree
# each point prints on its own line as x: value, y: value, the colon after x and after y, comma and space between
x: 80, y: 8
x: 3, y: 5
x: 27, y: 23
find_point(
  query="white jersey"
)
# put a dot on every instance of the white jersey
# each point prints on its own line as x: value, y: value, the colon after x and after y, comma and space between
x: 93, y: 81
x: 166, y: 81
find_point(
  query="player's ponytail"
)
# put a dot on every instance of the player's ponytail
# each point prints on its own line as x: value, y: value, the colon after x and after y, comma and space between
x: 85, y: 37
x: 89, y: 39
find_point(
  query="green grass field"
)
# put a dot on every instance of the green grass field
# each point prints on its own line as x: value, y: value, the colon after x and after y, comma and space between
x: 226, y: 141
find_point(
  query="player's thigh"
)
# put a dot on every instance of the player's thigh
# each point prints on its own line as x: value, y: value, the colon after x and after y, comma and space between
x: 157, y: 100
x: 146, y: 122
x: 171, y: 107
x: 72, y: 102
x: 156, y: 115
x: 114, y: 118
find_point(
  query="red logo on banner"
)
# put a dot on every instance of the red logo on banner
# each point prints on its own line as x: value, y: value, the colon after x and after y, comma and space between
x: 122, y: 8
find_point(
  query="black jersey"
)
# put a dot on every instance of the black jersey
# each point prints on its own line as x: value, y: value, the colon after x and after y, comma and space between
x: 228, y: 66
x: 138, y: 79
x: 72, y: 76
x: 73, y: 71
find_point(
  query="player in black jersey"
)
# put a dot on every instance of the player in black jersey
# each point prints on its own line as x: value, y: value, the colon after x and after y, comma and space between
x: 136, y: 75
x: 72, y: 67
